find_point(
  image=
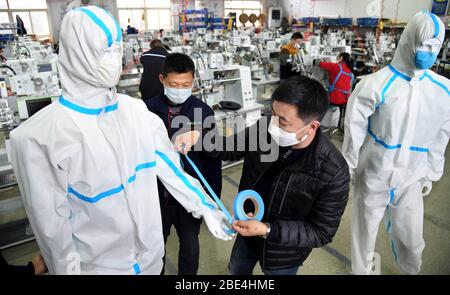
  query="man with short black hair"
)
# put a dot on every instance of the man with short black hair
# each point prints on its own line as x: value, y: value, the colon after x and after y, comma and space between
x: 305, y: 189
x: 177, y: 104
x: 286, y: 53
x: 152, y: 62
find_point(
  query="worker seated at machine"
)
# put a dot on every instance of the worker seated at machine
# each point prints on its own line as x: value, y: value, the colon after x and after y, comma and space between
x: 341, y: 79
x: 287, y: 51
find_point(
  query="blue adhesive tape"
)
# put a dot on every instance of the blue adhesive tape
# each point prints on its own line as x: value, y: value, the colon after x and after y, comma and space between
x: 210, y: 190
x: 239, y: 201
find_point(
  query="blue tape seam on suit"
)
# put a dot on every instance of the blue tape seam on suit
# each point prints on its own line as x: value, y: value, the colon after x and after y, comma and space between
x: 87, y: 111
x: 183, y: 178
x: 395, y: 75
x: 113, y: 191
x: 102, y: 25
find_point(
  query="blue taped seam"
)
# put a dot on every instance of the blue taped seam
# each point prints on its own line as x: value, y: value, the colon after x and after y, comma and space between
x: 400, y: 74
x: 389, y: 225
x: 86, y: 111
x: 385, y: 89
x: 183, y: 178
x: 418, y: 149
x: 110, y: 192
x: 426, y: 75
x: 394, y: 252
x: 140, y: 167
x: 100, y: 23
x: 211, y: 191
x: 379, y: 141
x: 136, y: 268
x: 437, y: 29
x: 392, y: 196
x: 98, y: 197
x: 119, y: 30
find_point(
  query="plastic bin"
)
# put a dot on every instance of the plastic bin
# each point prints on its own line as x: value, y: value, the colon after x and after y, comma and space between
x: 307, y: 20
x: 368, y: 21
x: 330, y: 21
x: 345, y: 21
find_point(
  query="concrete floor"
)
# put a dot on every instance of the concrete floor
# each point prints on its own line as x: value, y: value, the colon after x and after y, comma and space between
x: 331, y: 259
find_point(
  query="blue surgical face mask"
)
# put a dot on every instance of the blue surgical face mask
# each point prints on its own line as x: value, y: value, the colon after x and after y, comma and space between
x: 177, y: 96
x: 425, y: 59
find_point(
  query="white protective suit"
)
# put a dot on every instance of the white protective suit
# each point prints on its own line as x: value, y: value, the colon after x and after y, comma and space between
x: 87, y: 165
x: 396, y: 131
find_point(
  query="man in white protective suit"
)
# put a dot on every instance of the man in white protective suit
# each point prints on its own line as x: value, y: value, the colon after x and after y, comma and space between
x: 397, y: 128
x: 87, y: 165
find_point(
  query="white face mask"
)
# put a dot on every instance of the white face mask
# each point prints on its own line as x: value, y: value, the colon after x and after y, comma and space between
x: 284, y: 138
x: 177, y: 96
x: 109, y: 67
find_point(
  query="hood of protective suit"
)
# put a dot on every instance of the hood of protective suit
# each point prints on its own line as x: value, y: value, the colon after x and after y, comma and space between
x: 90, y: 56
x: 423, y: 27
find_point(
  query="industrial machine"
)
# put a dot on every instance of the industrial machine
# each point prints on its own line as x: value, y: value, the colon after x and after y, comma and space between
x: 274, y: 17
x: 28, y: 106
x: 227, y: 84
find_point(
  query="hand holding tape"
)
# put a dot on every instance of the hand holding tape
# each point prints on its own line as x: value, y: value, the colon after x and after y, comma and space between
x: 239, y: 201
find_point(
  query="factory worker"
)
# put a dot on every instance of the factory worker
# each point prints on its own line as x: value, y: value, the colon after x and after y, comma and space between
x: 396, y: 131
x: 87, y: 165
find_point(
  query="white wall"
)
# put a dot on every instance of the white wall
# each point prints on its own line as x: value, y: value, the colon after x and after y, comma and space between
x: 355, y: 8
x: 296, y: 8
x: 56, y: 12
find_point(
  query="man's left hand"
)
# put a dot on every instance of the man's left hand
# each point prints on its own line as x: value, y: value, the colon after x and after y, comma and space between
x: 250, y: 228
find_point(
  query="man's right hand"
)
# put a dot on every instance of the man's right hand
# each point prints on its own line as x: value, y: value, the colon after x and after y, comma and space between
x: 184, y: 142
x: 39, y: 265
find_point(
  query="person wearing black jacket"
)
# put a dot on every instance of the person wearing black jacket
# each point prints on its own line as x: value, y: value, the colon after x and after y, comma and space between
x: 179, y: 109
x: 152, y: 62
x: 305, y: 187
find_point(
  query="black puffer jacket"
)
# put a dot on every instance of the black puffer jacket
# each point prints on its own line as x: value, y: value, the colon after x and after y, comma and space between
x: 307, y: 199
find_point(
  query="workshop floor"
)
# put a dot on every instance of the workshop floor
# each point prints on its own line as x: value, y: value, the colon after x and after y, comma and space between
x: 331, y: 259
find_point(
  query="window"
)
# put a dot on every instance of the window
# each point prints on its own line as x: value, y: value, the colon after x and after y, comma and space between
x: 33, y: 14
x: 4, y: 17
x: 39, y: 21
x: 131, y: 17
x: 159, y: 19
x: 145, y: 14
x: 3, y: 4
x: 27, y: 4
x: 243, y: 6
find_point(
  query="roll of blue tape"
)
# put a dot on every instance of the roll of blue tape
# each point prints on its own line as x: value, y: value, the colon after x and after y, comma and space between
x: 239, y: 201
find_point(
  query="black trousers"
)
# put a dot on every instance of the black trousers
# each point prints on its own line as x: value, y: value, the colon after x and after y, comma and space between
x: 188, y: 229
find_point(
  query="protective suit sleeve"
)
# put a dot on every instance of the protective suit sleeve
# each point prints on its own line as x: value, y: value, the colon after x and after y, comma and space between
x: 361, y: 105
x: 436, y: 152
x: 184, y: 188
x: 44, y: 192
